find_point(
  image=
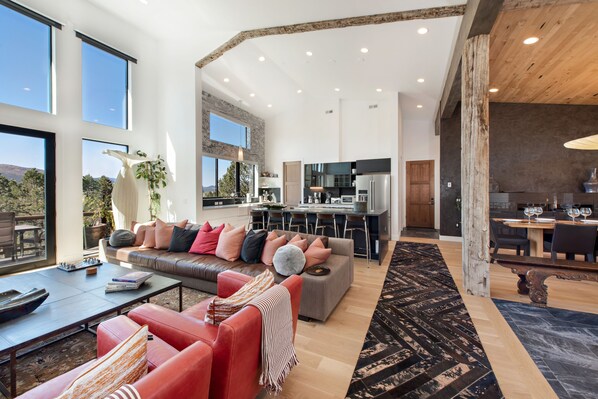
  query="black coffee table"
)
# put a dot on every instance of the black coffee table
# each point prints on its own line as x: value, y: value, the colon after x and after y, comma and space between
x: 75, y: 300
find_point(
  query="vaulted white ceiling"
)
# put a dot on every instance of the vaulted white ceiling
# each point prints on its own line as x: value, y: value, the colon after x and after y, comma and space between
x: 397, y: 55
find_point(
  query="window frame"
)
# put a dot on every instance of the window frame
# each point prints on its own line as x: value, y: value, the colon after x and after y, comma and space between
x: 234, y: 120
x: 52, y: 26
x: 123, y: 56
x: 237, y: 176
x: 50, y: 197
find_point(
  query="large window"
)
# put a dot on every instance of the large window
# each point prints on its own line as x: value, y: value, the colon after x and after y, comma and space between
x: 228, y: 131
x: 222, y: 178
x: 27, y: 199
x: 105, y: 84
x: 25, y: 58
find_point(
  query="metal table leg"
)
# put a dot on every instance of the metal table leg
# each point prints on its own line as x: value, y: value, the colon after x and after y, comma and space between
x: 180, y: 298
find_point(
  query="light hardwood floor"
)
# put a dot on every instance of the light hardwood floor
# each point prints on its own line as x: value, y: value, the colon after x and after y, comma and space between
x: 328, y: 351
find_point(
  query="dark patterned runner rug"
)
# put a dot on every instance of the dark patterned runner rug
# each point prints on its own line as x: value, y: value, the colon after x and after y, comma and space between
x: 421, y: 342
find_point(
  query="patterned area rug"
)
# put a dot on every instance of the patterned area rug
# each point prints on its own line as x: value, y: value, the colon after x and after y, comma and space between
x: 562, y: 343
x: 57, y: 358
x: 421, y: 342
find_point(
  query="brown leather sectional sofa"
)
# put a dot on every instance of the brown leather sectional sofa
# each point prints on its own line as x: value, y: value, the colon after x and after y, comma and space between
x: 320, y: 294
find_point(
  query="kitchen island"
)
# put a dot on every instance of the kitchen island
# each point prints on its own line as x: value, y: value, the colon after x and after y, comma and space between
x: 377, y: 221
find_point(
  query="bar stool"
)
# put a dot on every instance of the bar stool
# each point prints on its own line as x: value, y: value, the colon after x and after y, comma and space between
x: 253, y: 215
x: 322, y: 220
x: 356, y: 219
x: 298, y: 220
x: 275, y: 218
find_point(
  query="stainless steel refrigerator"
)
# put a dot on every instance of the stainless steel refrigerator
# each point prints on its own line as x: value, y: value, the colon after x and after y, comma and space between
x: 375, y: 190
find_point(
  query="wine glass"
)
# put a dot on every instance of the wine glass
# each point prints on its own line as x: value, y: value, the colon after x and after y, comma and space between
x: 573, y: 213
x: 585, y: 212
x: 538, y: 211
x: 529, y: 212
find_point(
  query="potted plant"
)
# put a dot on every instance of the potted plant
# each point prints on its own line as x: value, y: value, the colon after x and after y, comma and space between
x: 154, y: 173
x: 97, y: 209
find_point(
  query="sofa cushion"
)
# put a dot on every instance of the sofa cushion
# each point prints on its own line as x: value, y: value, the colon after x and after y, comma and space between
x: 122, y: 238
x: 219, y: 309
x: 253, y: 245
x: 182, y: 240
x: 316, y: 254
x: 164, y: 232
x: 124, y: 364
x: 273, y: 242
x: 207, y: 240
x: 289, y: 260
x: 230, y: 243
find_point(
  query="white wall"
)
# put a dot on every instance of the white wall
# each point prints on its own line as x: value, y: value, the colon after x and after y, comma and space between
x: 67, y: 122
x: 353, y: 131
x: 421, y: 144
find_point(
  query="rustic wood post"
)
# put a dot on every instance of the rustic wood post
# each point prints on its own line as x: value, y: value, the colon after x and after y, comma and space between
x: 475, y: 169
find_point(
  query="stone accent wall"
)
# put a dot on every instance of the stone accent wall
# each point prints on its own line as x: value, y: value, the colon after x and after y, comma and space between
x: 257, y: 136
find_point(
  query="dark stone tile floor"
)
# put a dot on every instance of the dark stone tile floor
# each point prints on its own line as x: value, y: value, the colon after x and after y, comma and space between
x: 562, y: 343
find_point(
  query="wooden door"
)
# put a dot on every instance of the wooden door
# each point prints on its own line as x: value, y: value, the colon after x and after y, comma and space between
x: 420, y: 194
x: 292, y: 182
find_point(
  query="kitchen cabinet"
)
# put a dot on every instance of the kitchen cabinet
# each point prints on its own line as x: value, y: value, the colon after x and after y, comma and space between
x: 328, y: 175
x: 366, y: 166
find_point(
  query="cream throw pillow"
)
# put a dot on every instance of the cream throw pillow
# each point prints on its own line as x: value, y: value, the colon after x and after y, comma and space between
x: 124, y: 364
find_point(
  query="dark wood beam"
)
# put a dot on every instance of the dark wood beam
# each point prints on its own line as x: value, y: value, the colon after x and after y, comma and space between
x: 425, y: 13
x: 478, y: 19
x: 510, y: 5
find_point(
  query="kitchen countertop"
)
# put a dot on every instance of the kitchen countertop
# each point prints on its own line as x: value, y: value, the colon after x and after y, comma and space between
x: 336, y: 211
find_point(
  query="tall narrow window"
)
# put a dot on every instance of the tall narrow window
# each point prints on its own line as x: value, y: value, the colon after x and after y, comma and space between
x: 26, y: 58
x: 27, y: 212
x: 105, y: 84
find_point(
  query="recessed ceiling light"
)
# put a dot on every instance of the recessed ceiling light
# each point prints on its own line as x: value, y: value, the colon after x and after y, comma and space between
x: 251, y: 94
x: 337, y: 89
x: 299, y: 91
x: 262, y: 58
x: 421, y: 80
x: 309, y: 53
x: 364, y: 50
x: 422, y: 31
x: 419, y: 106
x: 226, y: 80
x: 269, y: 105
x: 493, y: 90
x: 26, y: 89
x: 531, y: 40
x: 379, y: 90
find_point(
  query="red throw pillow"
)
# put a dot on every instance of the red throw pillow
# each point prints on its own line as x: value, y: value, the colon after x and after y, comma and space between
x: 316, y: 254
x: 230, y: 243
x: 273, y: 242
x: 207, y: 240
x: 299, y: 242
x: 164, y: 232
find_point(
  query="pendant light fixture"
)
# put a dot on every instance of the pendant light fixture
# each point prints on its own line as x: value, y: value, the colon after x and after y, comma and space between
x: 241, y: 155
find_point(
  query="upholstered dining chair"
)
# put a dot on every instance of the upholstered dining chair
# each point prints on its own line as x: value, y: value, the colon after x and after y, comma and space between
x: 7, y: 234
x: 574, y: 240
x: 502, y: 238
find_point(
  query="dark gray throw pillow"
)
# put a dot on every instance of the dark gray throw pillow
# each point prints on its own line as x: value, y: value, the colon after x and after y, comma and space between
x: 182, y: 240
x: 254, y: 242
x: 122, y: 238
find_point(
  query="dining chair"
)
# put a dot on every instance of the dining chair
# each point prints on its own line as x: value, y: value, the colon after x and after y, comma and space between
x: 256, y: 218
x: 7, y: 234
x: 325, y: 221
x: 504, y: 237
x: 573, y: 240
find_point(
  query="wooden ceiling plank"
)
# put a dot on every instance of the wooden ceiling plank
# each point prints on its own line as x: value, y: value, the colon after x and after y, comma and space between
x: 510, y: 5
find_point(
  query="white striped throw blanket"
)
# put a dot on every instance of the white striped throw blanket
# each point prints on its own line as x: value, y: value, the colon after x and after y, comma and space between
x: 278, y: 352
x: 125, y: 392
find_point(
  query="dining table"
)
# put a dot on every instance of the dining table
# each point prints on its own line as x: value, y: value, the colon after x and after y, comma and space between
x: 535, y: 230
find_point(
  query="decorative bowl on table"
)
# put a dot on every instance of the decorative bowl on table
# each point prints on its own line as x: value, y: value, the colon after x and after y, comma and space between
x: 14, y: 304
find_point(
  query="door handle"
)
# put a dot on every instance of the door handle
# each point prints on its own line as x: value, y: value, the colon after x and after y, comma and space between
x: 431, y: 201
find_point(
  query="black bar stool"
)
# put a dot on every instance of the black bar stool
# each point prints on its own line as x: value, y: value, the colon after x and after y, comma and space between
x: 275, y: 219
x: 256, y: 218
x: 355, y: 221
x: 325, y: 221
x: 298, y: 220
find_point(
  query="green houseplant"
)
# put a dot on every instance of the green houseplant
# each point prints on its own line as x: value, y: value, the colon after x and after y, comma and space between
x: 154, y: 173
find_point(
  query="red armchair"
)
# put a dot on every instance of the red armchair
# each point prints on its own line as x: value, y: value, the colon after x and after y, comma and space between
x: 171, y: 374
x: 236, y: 342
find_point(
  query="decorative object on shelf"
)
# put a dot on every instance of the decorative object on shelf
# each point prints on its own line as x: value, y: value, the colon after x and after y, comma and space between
x: 591, y: 186
x: 124, y: 193
x: 14, y: 304
x: 154, y: 173
x: 318, y: 271
x: 84, y: 264
x: 493, y: 185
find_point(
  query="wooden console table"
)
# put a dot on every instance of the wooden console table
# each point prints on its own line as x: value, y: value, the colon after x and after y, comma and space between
x: 534, y: 271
